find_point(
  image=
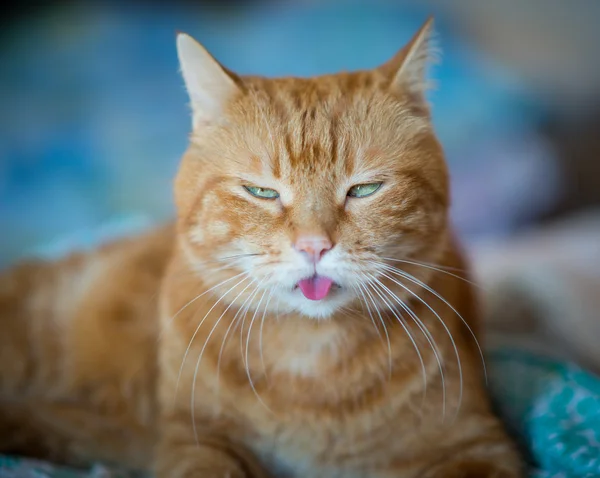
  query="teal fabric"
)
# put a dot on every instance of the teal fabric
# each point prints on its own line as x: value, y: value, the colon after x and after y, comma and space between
x: 12, y: 467
x: 551, y: 407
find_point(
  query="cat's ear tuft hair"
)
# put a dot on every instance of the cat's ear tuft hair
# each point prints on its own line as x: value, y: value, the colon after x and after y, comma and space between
x: 209, y: 85
x: 408, y: 69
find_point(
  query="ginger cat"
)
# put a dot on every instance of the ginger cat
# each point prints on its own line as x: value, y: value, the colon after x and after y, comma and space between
x: 291, y: 323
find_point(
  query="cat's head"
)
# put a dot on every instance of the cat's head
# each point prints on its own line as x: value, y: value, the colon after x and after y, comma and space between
x: 308, y: 187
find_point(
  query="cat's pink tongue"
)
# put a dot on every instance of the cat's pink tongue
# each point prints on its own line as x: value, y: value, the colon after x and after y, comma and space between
x: 315, y: 288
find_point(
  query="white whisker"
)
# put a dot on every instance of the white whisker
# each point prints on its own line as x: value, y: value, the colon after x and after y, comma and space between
x: 260, y: 334
x: 403, y: 325
x: 430, y: 290
x: 193, y: 394
x: 247, y: 358
x: 243, y: 320
x: 428, y: 336
x: 233, y: 321
x: 387, y: 335
x: 436, y: 268
x: 187, y: 350
x: 195, y: 299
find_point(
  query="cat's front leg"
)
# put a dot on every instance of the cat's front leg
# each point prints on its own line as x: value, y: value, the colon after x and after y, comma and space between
x: 459, y: 469
x: 475, y: 469
x: 485, y: 457
x: 185, y: 453
x: 476, y: 447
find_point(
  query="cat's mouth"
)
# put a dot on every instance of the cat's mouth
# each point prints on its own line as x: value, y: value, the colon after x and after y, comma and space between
x: 316, y: 287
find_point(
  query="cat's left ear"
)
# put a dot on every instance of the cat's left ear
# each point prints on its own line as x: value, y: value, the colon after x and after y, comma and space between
x: 210, y: 86
x: 408, y: 68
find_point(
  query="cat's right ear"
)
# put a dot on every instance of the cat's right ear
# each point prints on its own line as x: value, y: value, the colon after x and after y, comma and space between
x: 209, y: 85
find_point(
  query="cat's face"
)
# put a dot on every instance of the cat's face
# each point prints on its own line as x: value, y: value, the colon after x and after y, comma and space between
x: 307, y: 187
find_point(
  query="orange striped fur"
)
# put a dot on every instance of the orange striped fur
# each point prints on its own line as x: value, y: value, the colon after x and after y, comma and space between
x: 191, y: 351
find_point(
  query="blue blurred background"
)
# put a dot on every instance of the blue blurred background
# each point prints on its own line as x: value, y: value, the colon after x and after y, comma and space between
x: 94, y: 116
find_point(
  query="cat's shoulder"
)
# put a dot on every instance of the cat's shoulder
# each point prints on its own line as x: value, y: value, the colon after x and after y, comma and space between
x: 125, y: 268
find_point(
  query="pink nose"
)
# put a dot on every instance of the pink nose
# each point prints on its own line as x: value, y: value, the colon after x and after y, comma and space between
x: 314, y: 247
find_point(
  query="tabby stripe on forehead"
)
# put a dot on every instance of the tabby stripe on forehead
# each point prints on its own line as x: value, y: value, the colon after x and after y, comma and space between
x: 353, y: 82
x: 277, y: 162
x: 289, y: 148
x: 333, y: 139
x: 303, y: 130
x: 297, y: 98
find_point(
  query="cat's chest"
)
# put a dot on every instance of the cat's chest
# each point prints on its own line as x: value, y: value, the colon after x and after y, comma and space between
x: 313, y: 409
x: 321, y: 441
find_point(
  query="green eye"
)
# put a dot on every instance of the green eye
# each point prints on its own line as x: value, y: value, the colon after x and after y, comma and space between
x: 363, y: 190
x: 262, y: 193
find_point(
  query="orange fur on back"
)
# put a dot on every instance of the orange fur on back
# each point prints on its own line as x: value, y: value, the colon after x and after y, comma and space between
x: 194, y: 349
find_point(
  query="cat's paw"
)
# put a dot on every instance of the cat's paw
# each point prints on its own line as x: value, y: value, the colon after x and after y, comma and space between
x: 473, y: 469
x: 216, y: 474
x: 209, y: 466
x: 203, y: 473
